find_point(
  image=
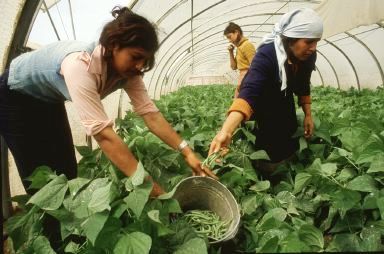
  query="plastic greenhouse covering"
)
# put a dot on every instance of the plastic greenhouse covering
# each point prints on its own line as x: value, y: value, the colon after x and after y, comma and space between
x: 193, y: 49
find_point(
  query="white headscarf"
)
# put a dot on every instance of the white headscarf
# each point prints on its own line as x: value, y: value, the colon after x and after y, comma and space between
x: 299, y: 23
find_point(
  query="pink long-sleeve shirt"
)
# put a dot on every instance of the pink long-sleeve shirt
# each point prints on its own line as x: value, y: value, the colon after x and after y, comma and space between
x: 86, y: 79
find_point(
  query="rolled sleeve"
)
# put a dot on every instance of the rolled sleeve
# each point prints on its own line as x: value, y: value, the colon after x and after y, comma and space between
x: 140, y: 100
x: 83, y: 91
x: 242, y: 106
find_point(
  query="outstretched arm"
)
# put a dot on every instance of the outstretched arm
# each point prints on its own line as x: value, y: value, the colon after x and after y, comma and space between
x: 159, y: 126
x: 120, y: 155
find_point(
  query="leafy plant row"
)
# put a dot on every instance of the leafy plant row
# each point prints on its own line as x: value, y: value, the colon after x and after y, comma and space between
x: 330, y: 197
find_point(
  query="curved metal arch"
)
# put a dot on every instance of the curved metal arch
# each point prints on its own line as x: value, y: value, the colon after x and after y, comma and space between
x: 187, y: 58
x: 220, y: 2
x: 371, y: 53
x: 201, y: 50
x: 333, y: 68
x: 321, y: 76
x: 170, y: 10
x: 187, y: 70
x: 349, y: 61
x: 186, y: 21
x: 179, y: 48
x: 24, y: 26
x: 202, y: 33
x: 179, y: 68
x: 200, y: 62
x: 194, y: 16
x: 182, y: 78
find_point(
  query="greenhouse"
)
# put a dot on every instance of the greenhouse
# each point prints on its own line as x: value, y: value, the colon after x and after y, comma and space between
x: 191, y: 126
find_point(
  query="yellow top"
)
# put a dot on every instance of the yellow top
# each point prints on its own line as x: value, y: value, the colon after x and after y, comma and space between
x: 244, y: 54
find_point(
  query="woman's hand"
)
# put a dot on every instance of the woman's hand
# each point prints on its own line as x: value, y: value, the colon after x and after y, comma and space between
x: 196, y: 166
x: 221, y: 140
x: 308, y: 126
x: 231, y: 48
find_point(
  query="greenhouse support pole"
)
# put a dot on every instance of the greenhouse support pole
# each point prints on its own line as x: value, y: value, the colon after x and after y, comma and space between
x: 371, y: 53
x: 6, y: 204
x: 23, y: 28
x: 52, y: 23
x: 333, y: 68
x: 348, y: 59
x: 321, y: 76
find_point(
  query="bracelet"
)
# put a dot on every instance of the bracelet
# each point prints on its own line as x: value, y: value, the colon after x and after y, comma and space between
x: 182, y: 145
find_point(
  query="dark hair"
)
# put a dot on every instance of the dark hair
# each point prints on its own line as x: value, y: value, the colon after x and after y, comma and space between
x: 129, y: 30
x: 231, y: 28
x: 287, y: 42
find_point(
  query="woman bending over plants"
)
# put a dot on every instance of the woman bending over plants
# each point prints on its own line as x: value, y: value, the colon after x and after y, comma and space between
x: 281, y: 68
x: 33, y: 119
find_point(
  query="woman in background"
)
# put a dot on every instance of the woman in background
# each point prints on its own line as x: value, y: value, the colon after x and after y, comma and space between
x: 245, y: 51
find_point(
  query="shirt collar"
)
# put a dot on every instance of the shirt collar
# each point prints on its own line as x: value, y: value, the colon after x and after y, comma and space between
x: 242, y: 41
x: 97, y: 64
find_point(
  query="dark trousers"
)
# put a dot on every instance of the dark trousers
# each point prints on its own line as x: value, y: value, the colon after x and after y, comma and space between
x: 36, y: 132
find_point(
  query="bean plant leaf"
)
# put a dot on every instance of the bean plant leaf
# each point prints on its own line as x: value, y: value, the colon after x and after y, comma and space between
x: 137, y: 199
x: 51, y: 196
x: 259, y: 155
x: 106, y: 239
x: 40, y: 177
x: 344, y: 243
x: 75, y: 185
x: 168, y: 195
x: 41, y: 246
x: 270, y: 246
x: 192, y: 246
x: 94, y: 224
x: 133, y: 243
x: 78, y: 204
x: 84, y: 151
x: 380, y: 205
x: 344, y: 199
x: 249, y: 204
x: 372, y: 147
x: 292, y: 244
x: 71, y: 247
x: 20, y: 219
x: 172, y: 206
x: 377, y: 164
x: 346, y: 174
x: 154, y: 215
x: 311, y: 236
x: 301, y: 181
x: 329, y: 169
x: 278, y: 214
x: 260, y: 186
x: 371, y: 240
x: 364, y: 183
x: 303, y: 144
x: 100, y: 199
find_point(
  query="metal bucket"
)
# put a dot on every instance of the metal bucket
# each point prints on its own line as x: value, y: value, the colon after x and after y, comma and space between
x: 205, y: 193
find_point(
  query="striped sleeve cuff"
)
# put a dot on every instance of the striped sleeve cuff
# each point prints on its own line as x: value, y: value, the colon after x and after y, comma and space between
x: 242, y: 106
x: 306, y: 99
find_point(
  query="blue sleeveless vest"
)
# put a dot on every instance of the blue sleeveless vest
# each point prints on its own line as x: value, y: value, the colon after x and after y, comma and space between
x: 37, y: 73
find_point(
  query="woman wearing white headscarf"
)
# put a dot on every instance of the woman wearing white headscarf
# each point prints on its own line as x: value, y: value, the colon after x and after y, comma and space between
x: 281, y: 68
